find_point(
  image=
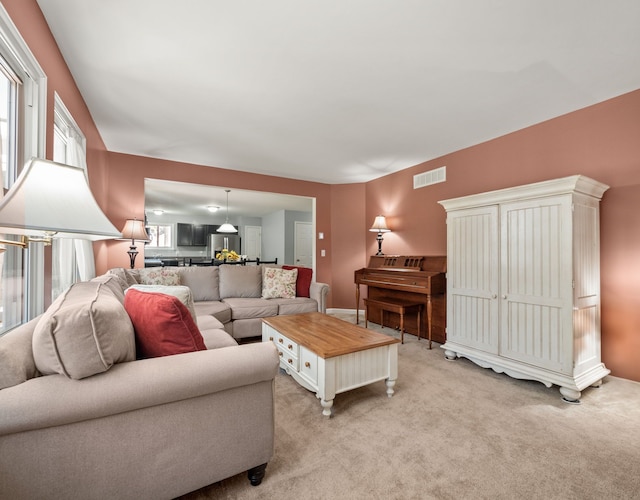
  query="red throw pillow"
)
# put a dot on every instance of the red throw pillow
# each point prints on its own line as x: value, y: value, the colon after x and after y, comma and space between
x: 163, y: 325
x: 303, y: 282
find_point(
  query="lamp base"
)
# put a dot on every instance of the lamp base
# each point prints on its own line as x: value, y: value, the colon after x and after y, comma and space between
x: 132, y: 255
x: 379, y: 238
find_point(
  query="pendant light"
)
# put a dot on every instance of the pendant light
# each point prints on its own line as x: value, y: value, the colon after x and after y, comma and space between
x: 226, y: 227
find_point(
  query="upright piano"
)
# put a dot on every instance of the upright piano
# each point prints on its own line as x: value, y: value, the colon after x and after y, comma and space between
x: 410, y: 278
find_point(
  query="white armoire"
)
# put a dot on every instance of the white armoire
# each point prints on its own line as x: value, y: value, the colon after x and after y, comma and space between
x: 523, y: 282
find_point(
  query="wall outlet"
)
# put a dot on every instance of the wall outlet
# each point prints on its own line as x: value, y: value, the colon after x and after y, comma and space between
x: 323, y: 253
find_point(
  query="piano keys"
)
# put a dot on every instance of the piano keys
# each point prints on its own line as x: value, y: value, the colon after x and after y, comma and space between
x: 412, y: 279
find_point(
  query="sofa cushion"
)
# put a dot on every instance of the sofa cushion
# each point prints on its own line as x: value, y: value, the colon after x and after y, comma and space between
x: 303, y: 282
x: 279, y: 283
x: 183, y: 293
x: 299, y: 305
x: 216, y: 338
x: 130, y: 276
x: 216, y: 308
x: 163, y: 324
x: 204, y: 282
x: 115, y: 283
x: 85, y: 331
x: 246, y: 328
x: 243, y: 308
x: 159, y: 276
x: 209, y: 323
x: 240, y: 281
x: 16, y: 355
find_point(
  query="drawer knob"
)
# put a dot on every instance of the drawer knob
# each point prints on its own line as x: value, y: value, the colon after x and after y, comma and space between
x: 279, y: 354
x: 290, y: 361
x: 281, y: 341
x: 270, y: 338
x: 307, y: 364
x: 290, y: 346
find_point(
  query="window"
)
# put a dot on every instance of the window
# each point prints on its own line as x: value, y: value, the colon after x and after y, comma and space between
x: 72, y: 260
x: 22, y: 125
x: 160, y: 235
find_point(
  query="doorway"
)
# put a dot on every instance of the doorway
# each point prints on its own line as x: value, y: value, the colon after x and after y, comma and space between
x: 303, y: 244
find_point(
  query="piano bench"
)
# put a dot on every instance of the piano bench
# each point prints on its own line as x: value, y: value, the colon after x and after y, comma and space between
x: 397, y: 306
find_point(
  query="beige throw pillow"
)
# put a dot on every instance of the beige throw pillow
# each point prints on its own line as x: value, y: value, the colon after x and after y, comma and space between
x: 85, y: 331
x: 279, y: 283
x: 159, y: 276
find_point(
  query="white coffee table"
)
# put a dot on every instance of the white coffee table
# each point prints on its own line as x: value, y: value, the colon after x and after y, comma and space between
x: 328, y: 356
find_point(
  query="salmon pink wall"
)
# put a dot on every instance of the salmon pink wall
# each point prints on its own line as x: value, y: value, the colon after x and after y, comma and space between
x: 600, y: 141
x: 126, y: 198
x: 349, y: 241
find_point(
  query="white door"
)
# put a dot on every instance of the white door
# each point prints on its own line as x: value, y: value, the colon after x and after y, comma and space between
x: 252, y: 242
x: 303, y: 248
x: 473, y: 278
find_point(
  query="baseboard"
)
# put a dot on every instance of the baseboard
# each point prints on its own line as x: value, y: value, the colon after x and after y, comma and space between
x: 342, y: 311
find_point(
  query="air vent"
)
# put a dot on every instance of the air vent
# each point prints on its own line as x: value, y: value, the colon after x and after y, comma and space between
x: 430, y: 177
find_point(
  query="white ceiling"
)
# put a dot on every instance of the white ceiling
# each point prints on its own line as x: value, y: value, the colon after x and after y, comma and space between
x: 337, y: 91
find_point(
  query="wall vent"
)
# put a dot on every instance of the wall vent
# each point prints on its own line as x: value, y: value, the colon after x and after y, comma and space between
x: 430, y: 177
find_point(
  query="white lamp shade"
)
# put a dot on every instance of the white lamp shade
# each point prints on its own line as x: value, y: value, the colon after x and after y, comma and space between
x: 134, y: 230
x: 380, y: 225
x: 227, y: 228
x: 53, y: 198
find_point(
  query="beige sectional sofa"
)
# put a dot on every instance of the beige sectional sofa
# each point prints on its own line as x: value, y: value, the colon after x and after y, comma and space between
x: 229, y: 297
x: 80, y: 417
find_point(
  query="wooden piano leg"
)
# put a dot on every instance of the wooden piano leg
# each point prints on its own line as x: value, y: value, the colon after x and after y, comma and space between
x: 358, y: 305
x: 429, y: 312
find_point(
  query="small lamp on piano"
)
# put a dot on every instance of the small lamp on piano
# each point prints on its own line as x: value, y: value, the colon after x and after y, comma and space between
x: 379, y: 226
x: 134, y: 230
x: 52, y: 200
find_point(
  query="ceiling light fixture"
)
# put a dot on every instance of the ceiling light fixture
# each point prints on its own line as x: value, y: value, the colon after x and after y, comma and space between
x: 158, y: 211
x: 226, y: 227
x: 212, y: 208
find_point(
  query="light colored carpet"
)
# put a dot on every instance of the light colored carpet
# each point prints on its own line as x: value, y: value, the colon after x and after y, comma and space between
x: 452, y: 430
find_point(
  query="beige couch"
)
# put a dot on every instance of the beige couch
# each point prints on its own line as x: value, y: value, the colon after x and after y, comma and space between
x: 80, y: 417
x: 229, y: 297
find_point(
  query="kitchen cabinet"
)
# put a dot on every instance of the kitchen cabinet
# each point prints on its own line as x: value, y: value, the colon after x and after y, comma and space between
x: 523, y: 282
x: 194, y: 235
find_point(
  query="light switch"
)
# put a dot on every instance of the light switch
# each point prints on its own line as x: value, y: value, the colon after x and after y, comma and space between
x: 321, y: 236
x: 323, y: 253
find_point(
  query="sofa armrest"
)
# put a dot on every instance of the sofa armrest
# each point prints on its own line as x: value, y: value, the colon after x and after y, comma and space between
x: 318, y: 292
x: 57, y: 400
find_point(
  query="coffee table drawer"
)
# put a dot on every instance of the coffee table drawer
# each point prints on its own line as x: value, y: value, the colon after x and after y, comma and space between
x: 286, y: 345
x: 288, y: 360
x: 309, y: 365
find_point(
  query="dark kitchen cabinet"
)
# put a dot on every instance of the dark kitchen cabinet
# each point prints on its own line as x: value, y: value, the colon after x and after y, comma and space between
x: 194, y: 235
x: 199, y: 235
x: 185, y: 235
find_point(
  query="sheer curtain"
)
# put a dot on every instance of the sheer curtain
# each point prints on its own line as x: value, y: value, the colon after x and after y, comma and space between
x: 83, y: 248
x: 73, y: 259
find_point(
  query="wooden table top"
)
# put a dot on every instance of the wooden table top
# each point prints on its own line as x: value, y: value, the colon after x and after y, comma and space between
x: 327, y: 336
